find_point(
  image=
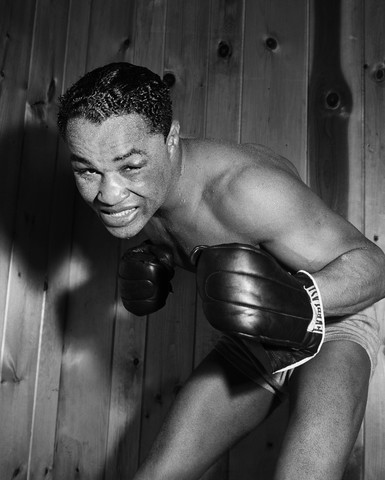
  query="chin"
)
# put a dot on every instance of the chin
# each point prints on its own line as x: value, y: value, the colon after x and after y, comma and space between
x: 124, y: 232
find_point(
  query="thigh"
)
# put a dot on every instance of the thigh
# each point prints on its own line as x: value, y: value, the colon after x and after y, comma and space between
x: 215, y: 408
x: 327, y: 403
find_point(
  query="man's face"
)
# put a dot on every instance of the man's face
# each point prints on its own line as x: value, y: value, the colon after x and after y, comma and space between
x: 122, y: 172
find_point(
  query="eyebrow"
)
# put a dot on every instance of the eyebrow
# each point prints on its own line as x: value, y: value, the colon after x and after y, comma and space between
x: 75, y: 158
x: 134, y: 151
x: 119, y: 158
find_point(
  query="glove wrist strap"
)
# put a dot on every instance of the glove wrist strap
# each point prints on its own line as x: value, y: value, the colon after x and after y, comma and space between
x: 317, y: 325
x: 311, y: 288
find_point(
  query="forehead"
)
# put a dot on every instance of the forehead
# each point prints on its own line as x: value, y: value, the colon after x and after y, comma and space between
x: 113, y: 133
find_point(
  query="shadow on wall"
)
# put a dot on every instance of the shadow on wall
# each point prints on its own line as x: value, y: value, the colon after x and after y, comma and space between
x: 44, y: 223
x: 54, y: 249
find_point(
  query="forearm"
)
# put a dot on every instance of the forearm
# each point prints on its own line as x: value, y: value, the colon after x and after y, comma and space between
x: 352, y: 281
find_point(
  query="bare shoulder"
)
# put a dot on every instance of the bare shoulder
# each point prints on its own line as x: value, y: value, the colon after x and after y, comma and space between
x: 249, y: 188
x: 269, y: 194
x: 235, y: 172
x: 230, y: 162
x: 270, y: 159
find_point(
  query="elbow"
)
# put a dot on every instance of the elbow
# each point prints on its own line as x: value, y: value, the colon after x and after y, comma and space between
x: 377, y: 272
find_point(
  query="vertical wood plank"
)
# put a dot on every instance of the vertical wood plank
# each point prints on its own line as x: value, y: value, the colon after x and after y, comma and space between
x: 83, y: 437
x: 67, y: 447
x: 111, y: 32
x: 186, y: 58
x: 375, y: 218
x: 52, y: 238
x: 149, y: 34
x: 330, y: 108
x: 222, y: 121
x: 148, y: 51
x: 375, y: 421
x: 16, y: 40
x: 222, y: 105
x: 124, y: 426
x: 79, y: 18
x: 128, y: 356
x: 352, y: 43
x: 336, y: 131
x: 16, y: 27
x: 85, y: 378
x: 126, y: 394
x: 225, y: 69
x: 274, y: 113
x: 170, y: 333
x: 274, y: 100
x: 351, y: 60
x: 23, y: 353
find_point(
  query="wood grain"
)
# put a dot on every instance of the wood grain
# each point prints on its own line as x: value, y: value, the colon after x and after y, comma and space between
x: 224, y: 79
x: 85, y: 390
x: 275, y: 81
x: 170, y: 332
x: 330, y: 107
x: 185, y: 57
x: 24, y: 356
x: 84, y: 384
x: 51, y: 243
x: 374, y: 124
x: 274, y: 113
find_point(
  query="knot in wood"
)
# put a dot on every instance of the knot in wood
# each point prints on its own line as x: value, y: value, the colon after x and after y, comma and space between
x: 332, y: 100
x: 271, y: 43
x: 136, y: 362
x: 379, y: 74
x: 224, y: 49
x: 169, y: 79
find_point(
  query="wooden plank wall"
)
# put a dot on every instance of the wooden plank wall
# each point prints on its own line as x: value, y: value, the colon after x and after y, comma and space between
x: 85, y: 385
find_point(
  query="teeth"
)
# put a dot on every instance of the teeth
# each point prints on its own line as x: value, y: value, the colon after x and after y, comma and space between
x: 123, y: 213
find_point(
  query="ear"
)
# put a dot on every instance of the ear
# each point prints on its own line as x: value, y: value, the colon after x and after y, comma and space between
x: 173, y: 137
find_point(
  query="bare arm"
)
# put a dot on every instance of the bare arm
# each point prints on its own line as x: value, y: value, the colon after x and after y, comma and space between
x: 352, y: 281
x: 288, y: 220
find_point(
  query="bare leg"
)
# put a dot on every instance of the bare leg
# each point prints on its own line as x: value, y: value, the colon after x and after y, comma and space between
x: 328, y: 398
x: 215, y: 408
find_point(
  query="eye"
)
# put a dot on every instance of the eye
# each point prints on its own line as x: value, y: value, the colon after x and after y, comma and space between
x: 131, y: 168
x: 85, y: 172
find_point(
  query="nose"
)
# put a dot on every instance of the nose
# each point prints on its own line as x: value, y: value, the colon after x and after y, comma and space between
x: 112, y: 190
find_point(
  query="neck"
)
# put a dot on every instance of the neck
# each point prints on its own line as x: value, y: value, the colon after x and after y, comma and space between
x: 178, y: 185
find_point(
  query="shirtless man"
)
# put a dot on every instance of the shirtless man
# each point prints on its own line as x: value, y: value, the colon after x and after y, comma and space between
x: 135, y: 171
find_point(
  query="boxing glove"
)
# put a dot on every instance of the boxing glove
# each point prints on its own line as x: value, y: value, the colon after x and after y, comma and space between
x: 144, y: 278
x: 250, y: 297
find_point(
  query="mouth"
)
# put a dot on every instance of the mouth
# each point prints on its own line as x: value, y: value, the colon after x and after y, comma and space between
x: 118, y: 218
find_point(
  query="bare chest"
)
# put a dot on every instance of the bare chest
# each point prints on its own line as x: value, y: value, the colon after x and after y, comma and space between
x: 184, y: 232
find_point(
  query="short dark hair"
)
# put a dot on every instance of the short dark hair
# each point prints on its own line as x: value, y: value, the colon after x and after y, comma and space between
x: 118, y: 89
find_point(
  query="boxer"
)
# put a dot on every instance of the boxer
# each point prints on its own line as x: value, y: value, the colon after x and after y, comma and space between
x: 288, y: 282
